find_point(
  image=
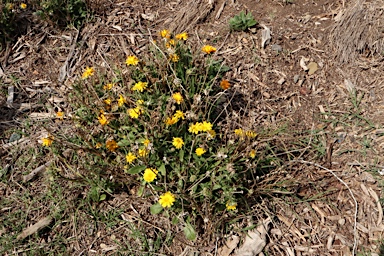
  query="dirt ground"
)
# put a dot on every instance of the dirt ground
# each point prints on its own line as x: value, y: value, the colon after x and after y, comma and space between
x: 332, y: 114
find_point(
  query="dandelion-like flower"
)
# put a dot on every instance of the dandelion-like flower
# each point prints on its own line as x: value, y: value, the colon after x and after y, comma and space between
x: 165, y: 33
x: 178, y: 142
x: 134, y: 112
x: 195, y: 128
x: 143, y: 152
x: 103, y: 119
x: 174, y: 57
x: 47, y: 141
x: 208, y: 49
x: 121, y: 101
x: 250, y: 134
x: 132, y: 60
x: 211, y: 134
x: 239, y: 132
x: 23, y: 6
x: 179, y: 114
x: 167, y: 199
x: 130, y: 157
x: 150, y: 174
x: 171, y: 120
x: 206, y: 126
x: 170, y: 43
x: 108, y: 86
x: 60, y: 115
x: 146, y: 142
x: 177, y: 97
x: 200, y: 151
x: 231, y: 206
x: 182, y: 36
x: 252, y: 154
x: 225, y: 84
x: 140, y: 86
x: 108, y: 101
x: 111, y: 145
x: 89, y: 71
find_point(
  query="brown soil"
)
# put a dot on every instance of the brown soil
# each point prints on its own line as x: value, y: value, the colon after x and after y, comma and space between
x: 318, y: 217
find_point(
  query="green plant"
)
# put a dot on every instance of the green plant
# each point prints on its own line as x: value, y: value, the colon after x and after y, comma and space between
x: 242, y: 21
x: 63, y: 13
x: 152, y: 127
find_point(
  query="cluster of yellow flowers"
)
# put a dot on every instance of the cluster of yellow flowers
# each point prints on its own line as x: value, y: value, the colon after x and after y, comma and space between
x: 241, y: 133
x: 175, y: 118
x: 200, y: 127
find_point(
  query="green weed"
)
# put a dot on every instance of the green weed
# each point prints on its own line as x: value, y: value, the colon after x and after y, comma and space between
x: 242, y: 22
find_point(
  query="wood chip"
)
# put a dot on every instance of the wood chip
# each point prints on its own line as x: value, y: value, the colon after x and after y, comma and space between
x: 379, y: 208
x: 229, y: 246
x: 220, y: 10
x: 34, y: 228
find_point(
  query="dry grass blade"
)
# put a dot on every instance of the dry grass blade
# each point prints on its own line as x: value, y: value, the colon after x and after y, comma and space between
x: 359, y: 31
x: 34, y: 228
x: 190, y: 14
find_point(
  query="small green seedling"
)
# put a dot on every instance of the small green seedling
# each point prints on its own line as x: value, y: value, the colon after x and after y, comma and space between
x: 242, y: 21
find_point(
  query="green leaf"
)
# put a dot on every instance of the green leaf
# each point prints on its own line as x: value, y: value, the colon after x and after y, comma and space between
x: 181, y: 155
x: 140, y: 191
x: 123, y: 143
x: 189, y: 232
x: 136, y: 169
x: 156, y: 208
x: 162, y: 170
x: 102, y: 197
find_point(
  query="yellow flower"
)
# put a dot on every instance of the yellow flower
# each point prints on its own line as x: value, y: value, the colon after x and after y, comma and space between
x: 47, y: 141
x: 171, y: 120
x: 225, y: 85
x: 170, y: 43
x: 167, y: 199
x: 130, y: 158
x: 165, y: 33
x: 60, y: 115
x: 139, y: 102
x: 182, y: 36
x: 88, y: 72
x: 98, y: 145
x: 252, y: 154
x: 239, y: 132
x: 140, y: 86
x: 23, y: 6
x: 206, y: 126
x: 121, y: 101
x: 134, y: 112
x: 208, y: 49
x: 211, y: 134
x: 103, y: 119
x: 111, y: 145
x: 178, y: 142
x: 250, y: 134
x: 146, y: 142
x: 150, y: 174
x: 177, y: 97
x: 143, y: 152
x: 179, y: 114
x: 231, y: 206
x: 200, y: 151
x: 108, y: 86
x: 174, y: 57
x: 195, y: 128
x: 108, y: 101
x: 132, y: 60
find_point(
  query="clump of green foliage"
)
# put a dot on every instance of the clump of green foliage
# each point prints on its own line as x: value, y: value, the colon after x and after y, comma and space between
x: 152, y: 126
x: 9, y: 12
x: 242, y: 21
x: 63, y: 12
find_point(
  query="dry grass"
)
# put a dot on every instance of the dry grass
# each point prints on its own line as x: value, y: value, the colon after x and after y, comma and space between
x: 359, y: 31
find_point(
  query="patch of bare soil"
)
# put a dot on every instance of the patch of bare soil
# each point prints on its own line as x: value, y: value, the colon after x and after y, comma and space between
x: 331, y: 201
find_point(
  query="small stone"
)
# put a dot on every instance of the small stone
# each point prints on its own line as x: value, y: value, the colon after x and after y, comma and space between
x: 266, y: 95
x: 277, y: 48
x: 341, y: 221
x: 14, y: 137
x: 296, y: 78
x: 281, y: 81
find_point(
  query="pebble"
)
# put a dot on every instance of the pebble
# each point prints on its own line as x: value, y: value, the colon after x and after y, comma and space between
x: 296, y: 78
x: 277, y: 48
